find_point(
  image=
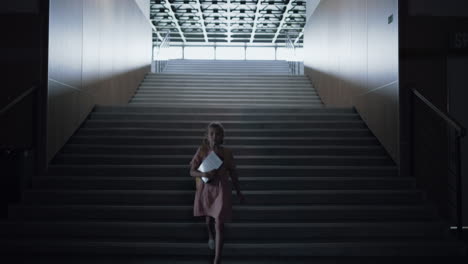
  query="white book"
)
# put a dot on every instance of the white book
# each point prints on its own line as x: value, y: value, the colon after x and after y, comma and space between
x: 211, y: 162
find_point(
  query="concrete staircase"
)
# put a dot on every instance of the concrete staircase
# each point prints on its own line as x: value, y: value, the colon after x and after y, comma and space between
x: 229, y: 91
x: 242, y: 67
x: 316, y: 180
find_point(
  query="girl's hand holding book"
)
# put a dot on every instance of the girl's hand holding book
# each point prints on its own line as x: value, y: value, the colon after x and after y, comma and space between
x: 210, y: 175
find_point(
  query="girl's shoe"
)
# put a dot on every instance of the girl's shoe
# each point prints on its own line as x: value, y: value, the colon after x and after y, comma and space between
x: 211, y: 244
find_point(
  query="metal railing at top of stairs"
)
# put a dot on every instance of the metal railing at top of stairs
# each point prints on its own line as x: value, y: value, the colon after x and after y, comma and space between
x: 159, y: 61
x: 460, y: 133
x: 295, y: 66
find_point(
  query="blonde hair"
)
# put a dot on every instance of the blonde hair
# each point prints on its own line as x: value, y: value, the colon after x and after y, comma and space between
x: 213, y: 125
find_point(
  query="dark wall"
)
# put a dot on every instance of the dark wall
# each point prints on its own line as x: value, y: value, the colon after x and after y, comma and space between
x: 351, y: 57
x: 457, y: 81
x: 426, y: 28
x: 23, y: 52
x: 100, y: 51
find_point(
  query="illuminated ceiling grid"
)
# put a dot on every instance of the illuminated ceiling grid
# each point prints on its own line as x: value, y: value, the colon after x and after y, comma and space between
x: 229, y: 21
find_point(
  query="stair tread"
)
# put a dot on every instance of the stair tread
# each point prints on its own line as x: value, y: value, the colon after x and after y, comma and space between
x: 246, y: 179
x: 233, y: 122
x: 242, y: 157
x: 142, y: 242
x: 229, y: 114
x: 279, y: 167
x: 350, y: 207
x: 230, y: 137
x: 248, y: 192
x: 230, y: 130
x: 141, y: 224
x: 231, y: 146
x: 247, y: 109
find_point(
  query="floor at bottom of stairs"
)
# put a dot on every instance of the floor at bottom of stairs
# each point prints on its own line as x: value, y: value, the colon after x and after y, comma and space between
x: 227, y: 260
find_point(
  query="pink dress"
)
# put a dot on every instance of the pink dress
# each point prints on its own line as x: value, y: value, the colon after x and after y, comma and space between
x: 215, y: 197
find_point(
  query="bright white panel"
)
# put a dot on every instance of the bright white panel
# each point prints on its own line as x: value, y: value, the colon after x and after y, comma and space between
x: 199, y: 53
x: 230, y: 53
x: 282, y: 54
x: 257, y: 53
x: 290, y: 55
x: 171, y: 53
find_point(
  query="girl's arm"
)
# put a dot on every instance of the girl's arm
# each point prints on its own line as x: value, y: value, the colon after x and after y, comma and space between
x: 235, y: 182
x: 235, y: 179
x: 195, y: 173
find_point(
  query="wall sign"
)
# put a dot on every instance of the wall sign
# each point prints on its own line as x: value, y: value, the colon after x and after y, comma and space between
x: 458, y: 40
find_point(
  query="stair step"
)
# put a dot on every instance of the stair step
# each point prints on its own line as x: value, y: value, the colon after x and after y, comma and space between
x: 240, y: 70
x: 244, y: 170
x: 241, y: 160
x: 163, y: 74
x: 284, y: 71
x: 193, y: 232
x: 238, y: 150
x: 179, y: 124
x: 241, y: 213
x: 330, y: 248
x: 284, y: 87
x: 226, y: 100
x: 193, y: 259
x: 221, y: 110
x: 139, y: 140
x: 232, y: 105
x: 224, y: 116
x: 229, y: 81
x: 221, y: 97
x: 215, y: 103
x: 176, y: 197
x: 246, y: 183
x: 158, y: 132
x: 287, y: 84
x: 158, y: 91
x: 227, y: 69
x: 176, y: 77
x: 227, y: 65
x: 176, y: 88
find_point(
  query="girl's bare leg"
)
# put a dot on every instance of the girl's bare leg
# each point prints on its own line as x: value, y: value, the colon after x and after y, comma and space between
x: 209, y: 226
x: 219, y: 242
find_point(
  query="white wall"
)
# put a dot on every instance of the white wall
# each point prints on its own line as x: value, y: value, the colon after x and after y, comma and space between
x: 311, y: 5
x: 99, y: 51
x: 144, y: 6
x: 351, y: 57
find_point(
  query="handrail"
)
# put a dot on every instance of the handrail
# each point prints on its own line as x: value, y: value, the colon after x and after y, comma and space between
x: 161, y: 64
x: 452, y: 122
x: 295, y: 66
x: 17, y: 100
x: 291, y: 59
x: 461, y: 132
